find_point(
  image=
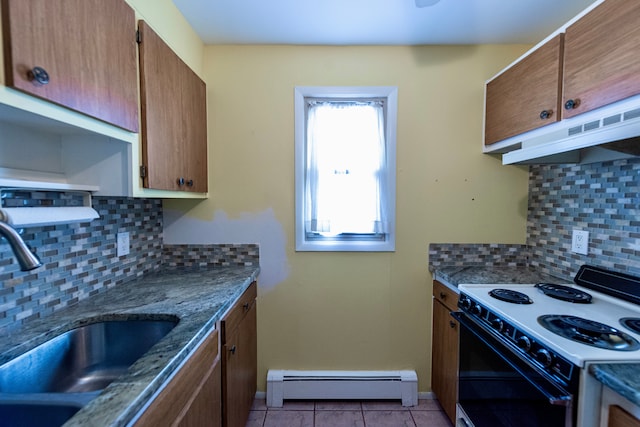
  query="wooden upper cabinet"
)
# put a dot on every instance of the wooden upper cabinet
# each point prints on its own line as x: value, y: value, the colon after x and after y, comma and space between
x: 80, y: 54
x: 195, y: 110
x: 525, y: 96
x: 601, y: 63
x: 174, y: 118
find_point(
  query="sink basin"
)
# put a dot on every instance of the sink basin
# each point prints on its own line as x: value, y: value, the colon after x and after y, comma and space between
x: 84, y: 359
x: 36, y: 414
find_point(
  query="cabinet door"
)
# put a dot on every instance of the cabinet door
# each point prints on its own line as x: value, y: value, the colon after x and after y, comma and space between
x: 174, y: 120
x: 192, y: 397
x: 525, y: 96
x: 240, y: 371
x: 86, y: 47
x: 206, y: 407
x: 618, y: 417
x: 194, y: 109
x: 601, y: 56
x: 444, y: 364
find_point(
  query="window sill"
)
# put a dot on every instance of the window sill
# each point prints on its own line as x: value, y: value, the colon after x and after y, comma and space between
x: 345, y: 246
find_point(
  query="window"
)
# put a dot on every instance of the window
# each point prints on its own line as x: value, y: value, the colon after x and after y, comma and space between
x: 345, y: 168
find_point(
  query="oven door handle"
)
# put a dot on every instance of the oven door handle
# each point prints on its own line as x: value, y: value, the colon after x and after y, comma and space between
x: 563, y: 398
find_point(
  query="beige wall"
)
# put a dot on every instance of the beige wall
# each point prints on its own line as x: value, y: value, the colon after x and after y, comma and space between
x: 351, y: 310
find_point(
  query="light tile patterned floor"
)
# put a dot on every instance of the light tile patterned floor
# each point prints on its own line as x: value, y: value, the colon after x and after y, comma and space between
x: 428, y: 413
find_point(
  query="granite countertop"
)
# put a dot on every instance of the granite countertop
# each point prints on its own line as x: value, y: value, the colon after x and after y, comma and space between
x: 197, y: 298
x: 623, y: 378
x: 456, y: 275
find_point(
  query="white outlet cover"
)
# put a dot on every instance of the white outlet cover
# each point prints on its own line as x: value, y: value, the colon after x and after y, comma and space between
x: 122, y: 244
x: 580, y: 242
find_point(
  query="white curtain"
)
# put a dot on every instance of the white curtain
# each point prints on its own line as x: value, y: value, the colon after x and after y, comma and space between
x: 345, y: 168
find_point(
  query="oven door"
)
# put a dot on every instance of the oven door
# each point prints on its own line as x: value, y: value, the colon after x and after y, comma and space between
x: 497, y: 387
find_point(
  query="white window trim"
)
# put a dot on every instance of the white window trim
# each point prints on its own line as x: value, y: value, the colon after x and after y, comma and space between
x: 391, y: 95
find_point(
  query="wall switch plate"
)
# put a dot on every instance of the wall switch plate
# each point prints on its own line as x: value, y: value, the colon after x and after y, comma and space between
x: 580, y: 242
x: 122, y: 244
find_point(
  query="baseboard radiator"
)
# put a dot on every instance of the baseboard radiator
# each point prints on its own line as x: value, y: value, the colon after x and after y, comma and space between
x: 339, y: 385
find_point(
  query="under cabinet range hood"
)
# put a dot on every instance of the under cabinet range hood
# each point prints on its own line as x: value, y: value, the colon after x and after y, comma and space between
x: 611, y: 132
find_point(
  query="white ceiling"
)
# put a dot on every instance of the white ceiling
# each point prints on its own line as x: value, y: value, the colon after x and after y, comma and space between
x: 376, y: 22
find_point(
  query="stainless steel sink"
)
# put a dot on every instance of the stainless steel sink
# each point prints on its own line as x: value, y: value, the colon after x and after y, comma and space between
x: 82, y: 360
x: 36, y: 414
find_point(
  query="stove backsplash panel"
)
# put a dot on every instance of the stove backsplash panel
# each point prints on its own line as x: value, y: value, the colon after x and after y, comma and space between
x: 601, y: 198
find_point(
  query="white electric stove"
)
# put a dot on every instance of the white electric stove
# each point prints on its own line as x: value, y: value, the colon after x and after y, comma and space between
x: 525, y: 349
x: 604, y: 309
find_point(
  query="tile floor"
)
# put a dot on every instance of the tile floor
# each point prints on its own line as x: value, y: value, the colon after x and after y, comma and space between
x: 428, y: 413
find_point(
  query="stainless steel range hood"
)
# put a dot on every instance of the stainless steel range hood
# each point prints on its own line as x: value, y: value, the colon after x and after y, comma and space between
x: 609, y: 133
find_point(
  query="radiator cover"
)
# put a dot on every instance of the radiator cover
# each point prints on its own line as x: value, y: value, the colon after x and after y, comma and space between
x: 340, y: 385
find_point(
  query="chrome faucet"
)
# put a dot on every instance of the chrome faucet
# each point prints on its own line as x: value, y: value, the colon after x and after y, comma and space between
x: 26, y: 258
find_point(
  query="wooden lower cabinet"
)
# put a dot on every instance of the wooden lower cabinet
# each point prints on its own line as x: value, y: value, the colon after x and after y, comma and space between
x: 239, y: 359
x: 618, y: 417
x: 444, y: 362
x: 212, y: 389
x: 193, y: 396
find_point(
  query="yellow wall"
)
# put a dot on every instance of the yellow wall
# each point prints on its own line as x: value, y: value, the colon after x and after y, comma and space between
x: 351, y: 310
x: 344, y: 310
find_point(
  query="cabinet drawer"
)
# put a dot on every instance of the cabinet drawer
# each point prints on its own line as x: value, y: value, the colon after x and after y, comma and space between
x: 445, y: 295
x: 234, y: 316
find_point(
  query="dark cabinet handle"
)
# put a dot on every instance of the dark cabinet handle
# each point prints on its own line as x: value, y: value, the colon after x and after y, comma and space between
x: 233, y: 350
x: 571, y: 104
x: 545, y: 114
x: 190, y: 183
x: 245, y: 306
x: 443, y: 295
x: 180, y: 181
x: 40, y: 75
x: 452, y: 324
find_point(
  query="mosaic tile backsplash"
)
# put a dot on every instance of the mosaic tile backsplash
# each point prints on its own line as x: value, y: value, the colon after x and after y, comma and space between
x: 80, y: 260
x: 601, y: 198
x: 477, y: 255
x: 207, y: 256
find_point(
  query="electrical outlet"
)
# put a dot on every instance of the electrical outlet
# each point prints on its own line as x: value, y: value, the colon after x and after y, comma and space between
x: 122, y: 244
x: 580, y: 242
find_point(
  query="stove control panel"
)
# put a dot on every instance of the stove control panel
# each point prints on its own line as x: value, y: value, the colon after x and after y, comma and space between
x: 516, y: 339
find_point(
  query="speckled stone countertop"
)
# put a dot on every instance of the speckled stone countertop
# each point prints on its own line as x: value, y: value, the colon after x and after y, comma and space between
x: 454, y: 276
x: 623, y: 378
x: 197, y: 298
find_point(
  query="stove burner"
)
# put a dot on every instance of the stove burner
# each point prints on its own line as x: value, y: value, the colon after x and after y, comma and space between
x: 564, y: 293
x: 511, y: 296
x: 632, y: 323
x: 589, y: 332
